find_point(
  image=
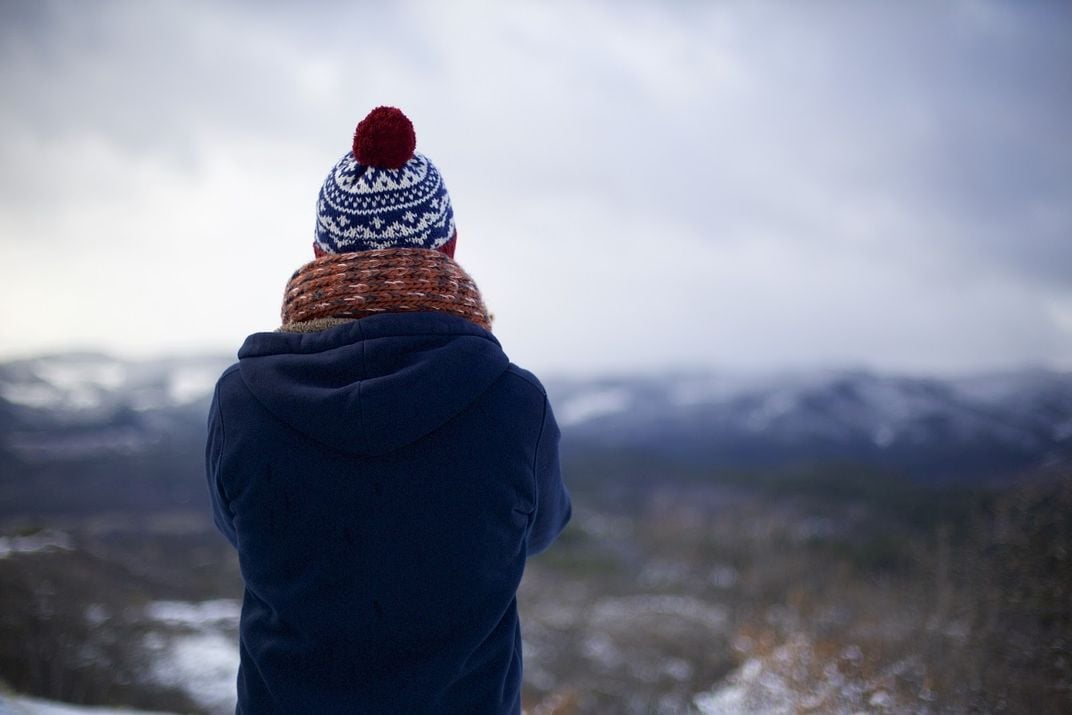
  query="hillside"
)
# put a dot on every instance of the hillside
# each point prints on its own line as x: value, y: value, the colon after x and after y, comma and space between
x: 833, y: 541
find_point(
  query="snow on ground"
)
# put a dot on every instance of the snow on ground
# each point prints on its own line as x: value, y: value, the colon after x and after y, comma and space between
x: 793, y: 678
x: 198, y: 652
x: 192, y: 646
x: 22, y: 705
x: 199, y: 614
x: 204, y: 665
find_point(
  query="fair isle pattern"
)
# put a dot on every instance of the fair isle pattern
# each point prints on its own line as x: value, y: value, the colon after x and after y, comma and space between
x: 391, y: 280
x: 363, y: 208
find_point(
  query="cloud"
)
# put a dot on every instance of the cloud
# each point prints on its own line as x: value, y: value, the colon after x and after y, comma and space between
x: 646, y: 184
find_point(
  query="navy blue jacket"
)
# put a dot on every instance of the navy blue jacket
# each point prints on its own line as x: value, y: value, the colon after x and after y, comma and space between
x: 383, y: 482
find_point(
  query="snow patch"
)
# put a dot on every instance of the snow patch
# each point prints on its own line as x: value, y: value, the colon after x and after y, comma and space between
x: 81, y: 384
x: 589, y: 405
x: 45, y: 541
x: 36, y: 395
x: 203, y: 664
x: 200, y: 654
x: 71, y: 383
x: 84, y: 383
x: 75, y: 374
x: 773, y: 406
x: 189, y: 384
x: 223, y: 611
x: 793, y: 678
x: 748, y: 692
x: 22, y: 705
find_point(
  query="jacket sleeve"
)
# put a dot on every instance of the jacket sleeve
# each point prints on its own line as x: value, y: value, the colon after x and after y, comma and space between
x: 221, y: 511
x: 553, y: 508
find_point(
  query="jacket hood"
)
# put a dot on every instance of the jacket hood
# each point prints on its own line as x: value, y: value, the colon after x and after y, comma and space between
x: 373, y: 385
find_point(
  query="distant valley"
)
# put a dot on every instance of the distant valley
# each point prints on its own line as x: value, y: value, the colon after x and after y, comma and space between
x: 841, y: 539
x: 84, y: 433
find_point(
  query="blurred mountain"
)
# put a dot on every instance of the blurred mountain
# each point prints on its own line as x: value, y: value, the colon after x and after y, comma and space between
x: 979, y: 427
x: 76, y: 404
x: 84, y: 433
x: 88, y: 432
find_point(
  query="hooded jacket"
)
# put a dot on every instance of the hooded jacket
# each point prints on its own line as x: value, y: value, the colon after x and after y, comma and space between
x: 383, y: 482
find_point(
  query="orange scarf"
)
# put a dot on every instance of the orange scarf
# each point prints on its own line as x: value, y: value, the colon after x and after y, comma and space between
x: 355, y: 285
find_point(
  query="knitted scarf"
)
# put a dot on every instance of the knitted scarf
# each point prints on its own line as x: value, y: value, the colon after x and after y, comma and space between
x: 340, y: 287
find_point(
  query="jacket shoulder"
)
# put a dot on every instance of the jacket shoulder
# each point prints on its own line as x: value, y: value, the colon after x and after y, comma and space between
x: 228, y: 378
x: 231, y: 370
x: 520, y: 373
x: 517, y: 398
x: 229, y: 384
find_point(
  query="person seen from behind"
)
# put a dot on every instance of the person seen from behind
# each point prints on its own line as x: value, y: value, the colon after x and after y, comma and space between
x: 381, y: 467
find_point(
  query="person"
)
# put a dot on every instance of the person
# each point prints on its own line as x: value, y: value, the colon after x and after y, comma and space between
x: 381, y: 467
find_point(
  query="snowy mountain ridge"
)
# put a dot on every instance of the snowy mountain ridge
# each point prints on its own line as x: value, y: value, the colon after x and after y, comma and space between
x: 1010, y: 420
x: 78, y: 382
x: 880, y: 402
x: 69, y: 406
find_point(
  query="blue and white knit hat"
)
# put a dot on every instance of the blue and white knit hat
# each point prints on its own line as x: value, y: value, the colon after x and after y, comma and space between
x: 383, y: 194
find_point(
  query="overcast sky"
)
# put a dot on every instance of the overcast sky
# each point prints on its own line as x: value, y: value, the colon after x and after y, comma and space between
x: 636, y: 185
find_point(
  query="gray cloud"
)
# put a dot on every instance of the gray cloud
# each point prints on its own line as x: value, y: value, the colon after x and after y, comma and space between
x: 764, y: 183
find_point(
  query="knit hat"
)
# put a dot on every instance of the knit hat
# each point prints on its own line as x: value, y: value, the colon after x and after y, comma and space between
x: 382, y: 194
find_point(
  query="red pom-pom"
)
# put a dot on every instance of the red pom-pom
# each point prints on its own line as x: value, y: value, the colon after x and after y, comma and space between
x: 384, y: 139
